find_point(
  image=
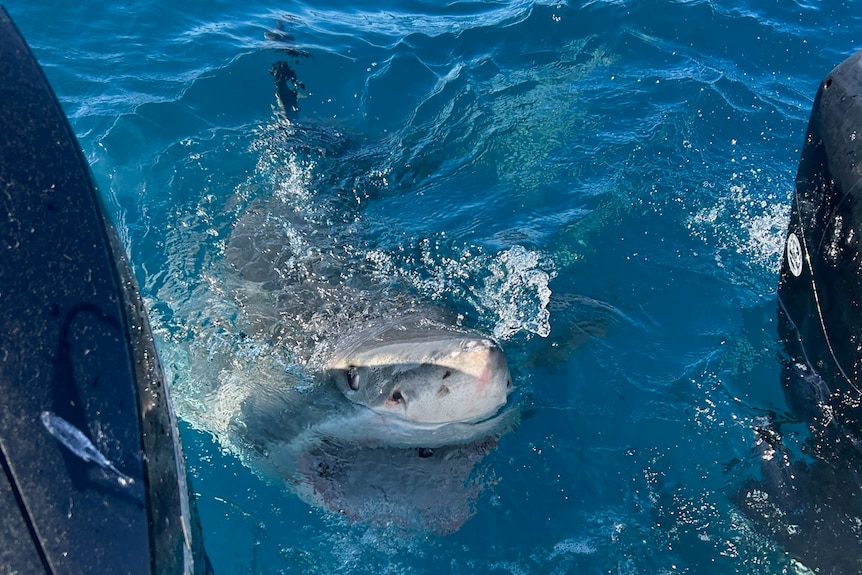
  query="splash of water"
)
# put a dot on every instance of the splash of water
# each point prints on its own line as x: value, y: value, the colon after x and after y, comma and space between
x: 509, y: 289
x: 517, y: 290
x: 741, y: 224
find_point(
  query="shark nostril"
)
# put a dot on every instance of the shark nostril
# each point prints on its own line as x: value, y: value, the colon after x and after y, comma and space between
x: 447, y: 374
x: 509, y: 383
x: 443, y: 391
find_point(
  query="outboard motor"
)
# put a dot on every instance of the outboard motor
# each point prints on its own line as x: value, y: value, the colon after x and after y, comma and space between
x: 811, y: 502
x: 92, y: 477
x: 820, y: 290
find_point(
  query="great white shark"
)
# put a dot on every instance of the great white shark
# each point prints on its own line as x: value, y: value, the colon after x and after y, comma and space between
x: 375, y: 404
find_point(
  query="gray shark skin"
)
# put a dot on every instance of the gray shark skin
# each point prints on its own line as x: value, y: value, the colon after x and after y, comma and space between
x: 391, y: 431
x: 366, y: 349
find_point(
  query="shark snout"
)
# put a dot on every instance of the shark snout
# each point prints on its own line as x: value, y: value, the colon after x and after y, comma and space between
x: 428, y: 377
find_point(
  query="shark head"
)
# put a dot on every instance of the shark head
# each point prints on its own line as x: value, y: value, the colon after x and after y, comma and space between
x: 423, y: 375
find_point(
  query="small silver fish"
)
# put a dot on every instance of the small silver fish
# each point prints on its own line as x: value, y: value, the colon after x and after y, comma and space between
x: 78, y: 443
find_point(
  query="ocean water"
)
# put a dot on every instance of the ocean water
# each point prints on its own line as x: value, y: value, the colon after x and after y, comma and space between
x: 603, y: 185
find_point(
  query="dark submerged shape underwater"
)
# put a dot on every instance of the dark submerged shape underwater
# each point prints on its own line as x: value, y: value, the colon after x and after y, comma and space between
x: 812, y: 505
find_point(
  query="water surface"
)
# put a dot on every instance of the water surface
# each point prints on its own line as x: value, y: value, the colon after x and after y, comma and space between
x: 604, y: 185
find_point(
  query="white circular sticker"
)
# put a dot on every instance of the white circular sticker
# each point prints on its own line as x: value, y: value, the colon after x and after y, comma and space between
x: 794, y: 255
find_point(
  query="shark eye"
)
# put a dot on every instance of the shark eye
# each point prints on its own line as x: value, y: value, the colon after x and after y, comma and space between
x: 353, y: 378
x: 396, y: 396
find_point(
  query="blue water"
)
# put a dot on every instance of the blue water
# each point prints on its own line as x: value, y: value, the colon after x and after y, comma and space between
x: 642, y: 154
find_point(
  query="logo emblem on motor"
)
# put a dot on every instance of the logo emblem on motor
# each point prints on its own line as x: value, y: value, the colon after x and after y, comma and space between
x: 794, y: 255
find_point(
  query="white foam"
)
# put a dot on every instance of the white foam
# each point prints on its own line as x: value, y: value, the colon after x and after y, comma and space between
x: 508, y: 289
x: 572, y: 547
x: 741, y: 225
x: 282, y: 173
